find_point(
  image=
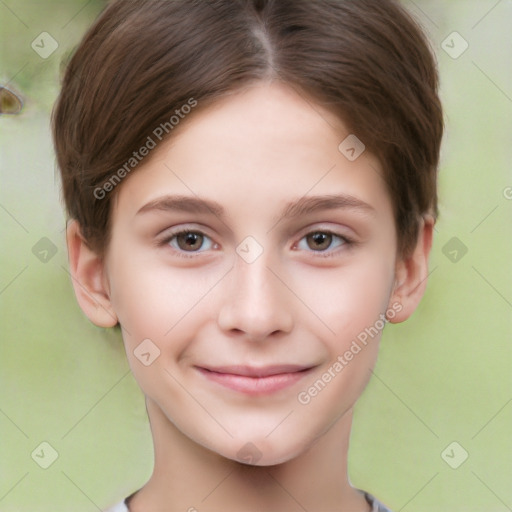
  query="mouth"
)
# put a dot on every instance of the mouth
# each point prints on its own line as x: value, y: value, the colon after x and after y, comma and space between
x: 255, y: 380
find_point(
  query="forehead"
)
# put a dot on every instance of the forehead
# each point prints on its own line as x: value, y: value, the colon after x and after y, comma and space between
x: 270, y: 113
x: 267, y: 143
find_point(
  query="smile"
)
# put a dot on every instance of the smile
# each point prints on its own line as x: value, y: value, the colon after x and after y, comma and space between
x: 256, y: 381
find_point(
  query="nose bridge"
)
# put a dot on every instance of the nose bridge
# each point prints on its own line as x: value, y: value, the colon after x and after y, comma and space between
x: 255, y: 302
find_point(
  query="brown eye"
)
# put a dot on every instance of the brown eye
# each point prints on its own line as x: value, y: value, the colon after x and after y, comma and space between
x: 188, y: 244
x: 189, y: 241
x: 323, y: 243
x: 319, y: 241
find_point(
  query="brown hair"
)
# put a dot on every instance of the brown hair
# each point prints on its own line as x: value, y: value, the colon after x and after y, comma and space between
x: 141, y: 61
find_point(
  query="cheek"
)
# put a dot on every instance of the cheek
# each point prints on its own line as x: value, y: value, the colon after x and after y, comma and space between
x: 153, y: 300
x: 346, y: 300
x: 140, y: 297
x: 350, y: 302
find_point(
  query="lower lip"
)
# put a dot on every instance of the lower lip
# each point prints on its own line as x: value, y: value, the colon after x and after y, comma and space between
x: 255, y: 385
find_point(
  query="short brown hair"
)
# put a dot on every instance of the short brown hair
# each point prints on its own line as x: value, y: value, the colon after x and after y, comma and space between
x: 366, y: 60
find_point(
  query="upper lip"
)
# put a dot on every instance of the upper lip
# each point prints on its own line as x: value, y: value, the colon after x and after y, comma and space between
x: 260, y: 371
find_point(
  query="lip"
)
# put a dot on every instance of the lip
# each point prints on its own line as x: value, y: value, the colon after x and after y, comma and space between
x: 256, y: 380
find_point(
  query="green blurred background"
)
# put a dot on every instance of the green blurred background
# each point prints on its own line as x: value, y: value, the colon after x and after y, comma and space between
x: 442, y: 377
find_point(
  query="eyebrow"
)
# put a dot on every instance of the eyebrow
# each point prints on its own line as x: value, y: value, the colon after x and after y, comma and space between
x: 301, y: 207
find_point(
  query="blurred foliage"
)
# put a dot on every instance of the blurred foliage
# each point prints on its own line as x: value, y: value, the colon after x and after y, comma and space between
x: 34, y: 78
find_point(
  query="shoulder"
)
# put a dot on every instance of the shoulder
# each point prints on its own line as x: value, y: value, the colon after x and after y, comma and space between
x: 120, y: 507
x: 377, y: 506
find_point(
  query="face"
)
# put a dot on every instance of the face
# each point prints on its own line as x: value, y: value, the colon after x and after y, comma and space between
x: 257, y: 262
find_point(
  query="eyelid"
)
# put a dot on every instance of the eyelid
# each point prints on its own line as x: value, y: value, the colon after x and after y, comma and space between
x: 348, y: 242
x: 165, y: 236
x: 344, y: 233
x: 170, y: 233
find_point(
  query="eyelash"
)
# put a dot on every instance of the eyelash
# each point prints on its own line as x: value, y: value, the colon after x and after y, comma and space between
x: 347, y: 242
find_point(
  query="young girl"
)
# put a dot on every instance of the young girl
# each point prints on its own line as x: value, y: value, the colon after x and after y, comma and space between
x: 251, y: 186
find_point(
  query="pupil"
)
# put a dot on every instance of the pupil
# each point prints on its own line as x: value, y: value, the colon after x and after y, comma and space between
x: 191, y: 239
x: 320, y: 239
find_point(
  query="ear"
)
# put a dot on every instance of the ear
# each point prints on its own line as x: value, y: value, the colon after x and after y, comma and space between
x: 411, y: 274
x: 89, y: 280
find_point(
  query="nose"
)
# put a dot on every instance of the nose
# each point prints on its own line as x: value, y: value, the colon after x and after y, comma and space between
x: 255, y: 304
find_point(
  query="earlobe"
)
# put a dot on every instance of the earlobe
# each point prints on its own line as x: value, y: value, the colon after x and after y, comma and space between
x: 89, y: 283
x: 411, y: 274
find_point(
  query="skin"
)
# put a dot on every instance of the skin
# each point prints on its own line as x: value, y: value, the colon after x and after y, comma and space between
x: 252, y: 152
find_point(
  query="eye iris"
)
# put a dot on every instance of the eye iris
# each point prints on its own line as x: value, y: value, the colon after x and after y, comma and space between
x: 321, y: 240
x: 188, y: 241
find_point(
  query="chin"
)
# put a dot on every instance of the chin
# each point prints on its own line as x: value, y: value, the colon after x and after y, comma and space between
x: 264, y: 441
x: 261, y: 451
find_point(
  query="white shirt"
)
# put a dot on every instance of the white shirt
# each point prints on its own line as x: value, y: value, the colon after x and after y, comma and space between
x: 376, y: 505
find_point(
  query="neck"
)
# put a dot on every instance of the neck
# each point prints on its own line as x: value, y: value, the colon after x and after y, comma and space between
x: 189, y: 477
